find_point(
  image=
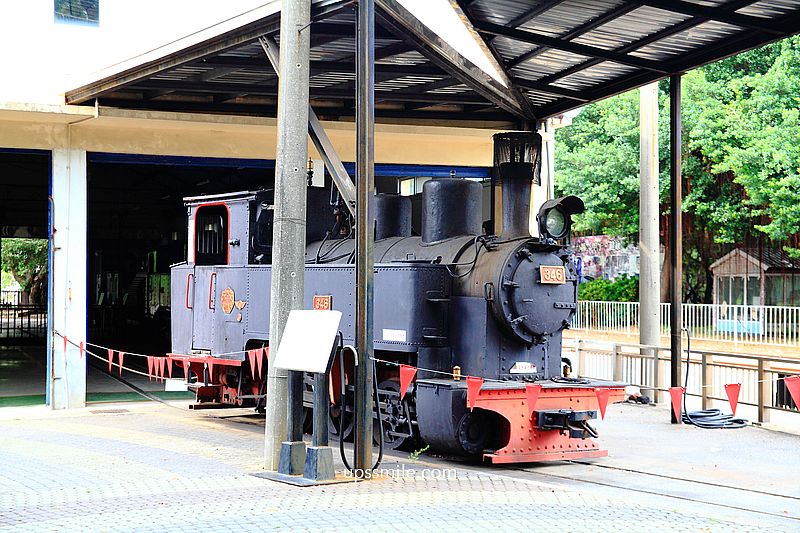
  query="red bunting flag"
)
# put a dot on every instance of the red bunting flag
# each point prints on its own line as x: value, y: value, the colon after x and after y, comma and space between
x: 186, y: 369
x: 169, y: 366
x: 732, y: 390
x: 532, y: 396
x: 793, y: 384
x: 161, y: 367
x: 602, y: 400
x: 65, y: 345
x: 251, y: 356
x: 121, y: 357
x: 110, y: 359
x: 677, y: 394
x: 80, y: 349
x: 407, y: 374
x: 150, y: 368
x: 473, y: 390
x: 210, y: 363
x: 260, y: 354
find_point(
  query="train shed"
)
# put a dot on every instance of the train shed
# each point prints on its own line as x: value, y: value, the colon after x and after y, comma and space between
x: 199, y: 115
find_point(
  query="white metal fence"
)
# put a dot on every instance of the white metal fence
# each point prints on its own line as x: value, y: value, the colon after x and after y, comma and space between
x: 648, y: 367
x: 759, y: 324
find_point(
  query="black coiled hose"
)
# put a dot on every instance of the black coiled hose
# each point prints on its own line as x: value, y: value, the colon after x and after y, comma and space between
x: 343, y: 409
x: 706, y: 418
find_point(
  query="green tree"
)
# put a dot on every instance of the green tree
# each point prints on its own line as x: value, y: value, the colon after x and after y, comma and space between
x: 741, y: 160
x: 26, y: 260
x: 766, y: 159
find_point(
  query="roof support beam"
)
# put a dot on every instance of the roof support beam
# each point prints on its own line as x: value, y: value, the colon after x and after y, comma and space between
x: 316, y: 93
x: 533, y: 13
x: 497, y: 59
x: 439, y: 52
x: 577, y: 32
x: 719, y: 14
x: 644, y: 41
x: 551, y: 89
x: 320, y: 139
x: 321, y: 67
x: 575, y: 48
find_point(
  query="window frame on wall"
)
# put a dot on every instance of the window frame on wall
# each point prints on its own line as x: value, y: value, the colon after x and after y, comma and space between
x: 85, y: 12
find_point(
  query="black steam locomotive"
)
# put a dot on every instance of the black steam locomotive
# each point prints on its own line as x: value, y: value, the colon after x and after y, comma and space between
x: 452, y: 301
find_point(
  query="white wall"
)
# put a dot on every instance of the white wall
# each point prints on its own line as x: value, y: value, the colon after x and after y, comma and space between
x: 41, y: 58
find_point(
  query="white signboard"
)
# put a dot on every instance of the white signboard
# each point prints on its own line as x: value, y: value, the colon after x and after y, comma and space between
x: 307, y: 341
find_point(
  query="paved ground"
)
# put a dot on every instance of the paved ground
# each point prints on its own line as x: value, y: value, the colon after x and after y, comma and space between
x: 152, y: 467
x: 23, y: 371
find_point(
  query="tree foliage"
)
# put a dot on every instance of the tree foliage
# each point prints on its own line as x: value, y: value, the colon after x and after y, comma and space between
x: 623, y: 289
x: 26, y: 260
x: 741, y: 159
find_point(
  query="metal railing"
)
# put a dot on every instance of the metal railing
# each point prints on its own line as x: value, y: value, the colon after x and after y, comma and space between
x: 22, y: 323
x: 8, y: 297
x: 758, y: 324
x: 648, y: 367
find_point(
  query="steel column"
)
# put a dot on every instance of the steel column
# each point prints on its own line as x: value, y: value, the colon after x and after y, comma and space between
x: 365, y: 179
x: 676, y: 232
x: 289, y: 226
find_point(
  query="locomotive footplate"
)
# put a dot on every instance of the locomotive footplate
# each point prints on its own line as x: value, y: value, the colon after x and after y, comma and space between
x: 556, y: 429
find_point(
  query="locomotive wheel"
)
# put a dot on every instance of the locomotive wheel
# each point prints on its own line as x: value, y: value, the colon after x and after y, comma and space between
x: 333, y: 425
x: 394, y: 412
x: 472, y: 432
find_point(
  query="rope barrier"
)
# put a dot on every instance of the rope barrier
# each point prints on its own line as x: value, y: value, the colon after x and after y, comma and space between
x: 376, y: 359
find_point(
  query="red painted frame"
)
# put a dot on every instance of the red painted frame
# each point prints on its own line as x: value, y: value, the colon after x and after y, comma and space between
x: 228, y: 228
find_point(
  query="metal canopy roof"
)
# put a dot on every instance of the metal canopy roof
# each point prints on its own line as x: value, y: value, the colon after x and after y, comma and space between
x: 553, y: 55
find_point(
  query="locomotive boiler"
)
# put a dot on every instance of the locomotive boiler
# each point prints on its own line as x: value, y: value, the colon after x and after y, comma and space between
x: 452, y: 301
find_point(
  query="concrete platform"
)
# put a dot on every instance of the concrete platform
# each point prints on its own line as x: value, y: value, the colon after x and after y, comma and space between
x: 158, y: 467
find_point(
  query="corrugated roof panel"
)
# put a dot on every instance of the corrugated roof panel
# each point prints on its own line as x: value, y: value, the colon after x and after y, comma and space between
x: 245, y: 76
x: 628, y: 28
x: 510, y: 49
x: 335, y: 50
x: 707, y: 3
x: 183, y: 73
x: 406, y: 58
x: 403, y: 82
x: 593, y: 76
x: 501, y: 11
x: 770, y: 8
x: 330, y: 78
x: 688, y: 40
x: 569, y: 15
x: 541, y: 98
x: 453, y: 89
x: 248, y: 50
x: 547, y: 63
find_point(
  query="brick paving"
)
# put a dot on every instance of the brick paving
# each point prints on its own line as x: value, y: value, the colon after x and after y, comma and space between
x: 157, y: 468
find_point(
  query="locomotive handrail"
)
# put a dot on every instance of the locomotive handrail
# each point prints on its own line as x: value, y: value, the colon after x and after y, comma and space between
x: 210, y: 289
x: 187, y: 291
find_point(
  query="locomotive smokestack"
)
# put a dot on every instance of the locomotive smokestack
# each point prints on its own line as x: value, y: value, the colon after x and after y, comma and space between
x: 517, y: 163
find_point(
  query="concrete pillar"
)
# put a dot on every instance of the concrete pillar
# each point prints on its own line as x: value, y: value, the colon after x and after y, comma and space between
x: 649, y: 267
x: 289, y: 227
x: 68, y: 306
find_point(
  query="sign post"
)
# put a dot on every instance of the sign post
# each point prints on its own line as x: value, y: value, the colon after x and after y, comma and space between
x: 300, y: 351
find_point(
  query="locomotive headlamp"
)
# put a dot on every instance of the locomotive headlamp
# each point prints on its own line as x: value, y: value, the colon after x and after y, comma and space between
x: 555, y: 223
x: 555, y: 216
